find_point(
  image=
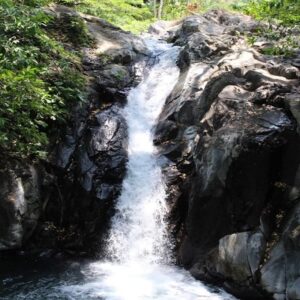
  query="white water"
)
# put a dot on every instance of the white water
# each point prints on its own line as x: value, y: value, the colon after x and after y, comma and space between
x: 138, y: 246
x: 138, y: 229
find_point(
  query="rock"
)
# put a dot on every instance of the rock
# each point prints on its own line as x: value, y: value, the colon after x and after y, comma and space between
x: 120, y: 46
x: 229, y: 131
x: 273, y: 276
x: 233, y: 257
x: 238, y: 256
x: 20, y: 204
x: 84, y: 188
x: 204, y: 24
x: 282, y: 271
x: 293, y: 291
x: 65, y: 150
x: 256, y: 250
x: 286, y: 71
x: 107, y: 144
x: 112, y: 80
x: 293, y: 103
x: 164, y: 29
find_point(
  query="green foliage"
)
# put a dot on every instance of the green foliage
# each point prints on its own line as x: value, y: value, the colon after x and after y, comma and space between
x: 105, y: 58
x: 176, y: 9
x: 131, y: 15
x: 278, y: 41
x: 285, y: 11
x: 286, y: 47
x: 38, y: 79
x: 70, y: 29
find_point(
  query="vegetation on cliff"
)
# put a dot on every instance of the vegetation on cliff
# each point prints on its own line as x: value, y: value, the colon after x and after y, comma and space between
x: 39, y: 78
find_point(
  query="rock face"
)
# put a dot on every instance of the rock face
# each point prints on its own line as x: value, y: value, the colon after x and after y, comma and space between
x: 68, y: 204
x: 20, y: 203
x: 229, y: 130
x: 281, y: 273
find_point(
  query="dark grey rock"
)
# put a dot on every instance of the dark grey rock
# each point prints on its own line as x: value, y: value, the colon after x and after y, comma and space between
x: 282, y: 270
x: 20, y: 203
x: 293, y: 291
x: 229, y: 130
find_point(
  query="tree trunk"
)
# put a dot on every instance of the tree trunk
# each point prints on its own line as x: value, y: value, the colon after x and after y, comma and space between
x: 161, y: 5
x: 154, y: 9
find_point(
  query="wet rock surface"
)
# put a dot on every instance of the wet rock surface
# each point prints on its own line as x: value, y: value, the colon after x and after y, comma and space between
x: 229, y: 130
x: 20, y: 203
x: 70, y: 206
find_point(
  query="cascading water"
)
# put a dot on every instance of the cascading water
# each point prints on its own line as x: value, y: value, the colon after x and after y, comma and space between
x: 139, y: 252
x: 138, y: 230
x: 140, y: 265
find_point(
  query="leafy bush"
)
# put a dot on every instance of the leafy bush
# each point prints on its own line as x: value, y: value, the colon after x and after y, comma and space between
x: 285, y: 11
x: 176, y: 9
x: 70, y: 29
x: 131, y: 15
x: 38, y: 79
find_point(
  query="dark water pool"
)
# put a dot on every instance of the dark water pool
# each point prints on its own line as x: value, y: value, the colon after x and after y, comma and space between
x: 24, y: 277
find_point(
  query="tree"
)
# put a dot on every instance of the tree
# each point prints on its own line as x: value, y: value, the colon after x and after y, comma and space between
x: 161, y: 5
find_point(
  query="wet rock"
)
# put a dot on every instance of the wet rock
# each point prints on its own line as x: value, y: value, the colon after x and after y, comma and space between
x: 20, y: 204
x: 113, y: 81
x: 293, y: 291
x: 286, y: 71
x: 281, y: 273
x: 229, y: 130
x: 293, y: 103
x: 239, y: 255
x: 107, y: 144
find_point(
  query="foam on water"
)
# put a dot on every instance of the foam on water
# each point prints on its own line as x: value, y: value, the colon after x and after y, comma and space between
x: 138, y: 229
x: 138, y: 247
x: 136, y: 281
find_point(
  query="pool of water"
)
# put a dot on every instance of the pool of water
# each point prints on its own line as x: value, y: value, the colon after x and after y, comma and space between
x: 27, y: 278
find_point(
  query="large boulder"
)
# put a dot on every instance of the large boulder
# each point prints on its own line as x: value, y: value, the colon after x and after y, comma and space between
x: 281, y: 273
x: 229, y: 130
x: 20, y: 203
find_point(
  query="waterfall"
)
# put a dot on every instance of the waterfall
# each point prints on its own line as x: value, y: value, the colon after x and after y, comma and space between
x: 138, y: 229
x: 139, y: 251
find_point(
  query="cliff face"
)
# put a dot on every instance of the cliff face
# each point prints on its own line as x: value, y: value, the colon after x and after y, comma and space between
x: 65, y: 202
x: 229, y: 129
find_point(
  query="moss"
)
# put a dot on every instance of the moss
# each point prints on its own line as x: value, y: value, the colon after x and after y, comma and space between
x: 120, y: 74
x: 105, y: 59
